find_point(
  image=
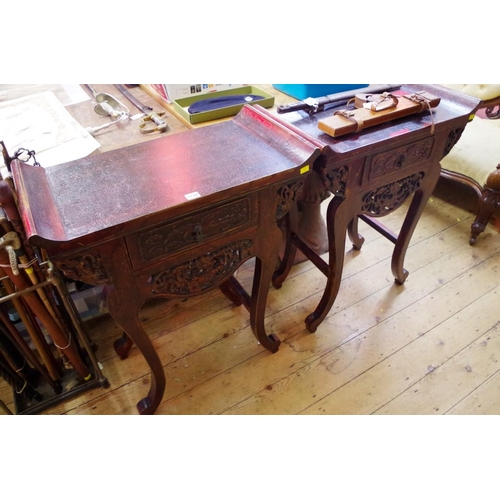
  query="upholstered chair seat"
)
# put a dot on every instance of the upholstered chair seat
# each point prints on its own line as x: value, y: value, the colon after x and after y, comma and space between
x: 483, y: 91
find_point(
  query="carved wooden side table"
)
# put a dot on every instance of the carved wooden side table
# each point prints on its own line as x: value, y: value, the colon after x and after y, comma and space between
x: 371, y: 174
x: 173, y: 217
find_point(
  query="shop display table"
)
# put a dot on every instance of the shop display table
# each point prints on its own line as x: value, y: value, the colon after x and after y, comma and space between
x: 172, y: 217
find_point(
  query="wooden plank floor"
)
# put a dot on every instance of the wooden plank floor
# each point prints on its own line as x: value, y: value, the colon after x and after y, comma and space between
x: 429, y: 347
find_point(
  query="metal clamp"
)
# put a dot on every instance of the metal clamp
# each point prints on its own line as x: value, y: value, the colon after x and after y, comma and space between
x: 153, y: 123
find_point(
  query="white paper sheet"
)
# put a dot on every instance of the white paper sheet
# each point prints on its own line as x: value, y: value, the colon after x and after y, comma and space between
x: 41, y: 123
x: 67, y: 93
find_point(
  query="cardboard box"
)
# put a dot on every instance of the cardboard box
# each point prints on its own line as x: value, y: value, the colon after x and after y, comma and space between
x: 181, y: 106
x: 171, y: 92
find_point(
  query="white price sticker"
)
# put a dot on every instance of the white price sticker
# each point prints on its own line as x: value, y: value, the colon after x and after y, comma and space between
x: 192, y: 196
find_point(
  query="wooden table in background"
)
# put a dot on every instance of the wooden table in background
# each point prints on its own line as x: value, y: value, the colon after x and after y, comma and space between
x: 370, y: 174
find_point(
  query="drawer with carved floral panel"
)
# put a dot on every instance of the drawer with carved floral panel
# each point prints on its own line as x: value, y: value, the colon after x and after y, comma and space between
x: 398, y: 159
x: 158, y: 242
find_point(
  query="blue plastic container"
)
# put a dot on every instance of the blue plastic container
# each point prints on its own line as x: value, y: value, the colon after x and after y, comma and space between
x: 303, y: 90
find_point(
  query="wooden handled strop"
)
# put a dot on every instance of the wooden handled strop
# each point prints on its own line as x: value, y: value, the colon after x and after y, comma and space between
x: 384, y: 108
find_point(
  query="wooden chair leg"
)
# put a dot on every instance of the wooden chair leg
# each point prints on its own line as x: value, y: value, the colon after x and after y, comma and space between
x: 493, y: 112
x: 487, y: 203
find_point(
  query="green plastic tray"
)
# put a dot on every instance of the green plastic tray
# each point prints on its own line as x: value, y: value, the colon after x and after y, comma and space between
x: 181, y: 105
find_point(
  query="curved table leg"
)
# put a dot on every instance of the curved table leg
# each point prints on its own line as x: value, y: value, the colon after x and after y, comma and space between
x: 338, y: 219
x: 356, y: 239
x: 121, y: 311
x: 417, y: 205
x: 264, y: 269
x: 258, y: 308
x: 290, y: 250
x: 123, y: 345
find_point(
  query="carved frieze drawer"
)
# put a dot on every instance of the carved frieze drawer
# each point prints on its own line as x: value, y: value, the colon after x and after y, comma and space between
x: 158, y: 242
x: 400, y: 158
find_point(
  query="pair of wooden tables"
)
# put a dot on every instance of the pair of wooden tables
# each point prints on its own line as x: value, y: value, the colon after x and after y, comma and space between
x: 176, y: 216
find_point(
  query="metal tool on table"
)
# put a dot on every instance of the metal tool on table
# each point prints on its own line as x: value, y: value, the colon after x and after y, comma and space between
x: 107, y: 105
x: 152, y: 121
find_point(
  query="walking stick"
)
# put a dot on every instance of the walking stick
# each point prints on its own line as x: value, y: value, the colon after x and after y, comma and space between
x: 10, y: 331
x: 40, y: 344
x: 15, y: 242
x: 15, y: 360
x: 25, y: 252
x: 9, y: 205
x: 16, y: 382
x: 61, y: 341
x: 12, y: 239
x: 55, y: 278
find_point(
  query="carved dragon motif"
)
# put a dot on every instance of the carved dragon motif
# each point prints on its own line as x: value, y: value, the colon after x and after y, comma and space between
x: 335, y: 180
x: 87, y: 267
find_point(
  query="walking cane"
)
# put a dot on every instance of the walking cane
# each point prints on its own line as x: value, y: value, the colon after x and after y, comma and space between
x: 61, y: 341
x: 16, y: 382
x: 15, y: 360
x: 55, y: 277
x: 12, y: 238
x: 41, y: 346
x: 29, y: 355
x: 14, y: 223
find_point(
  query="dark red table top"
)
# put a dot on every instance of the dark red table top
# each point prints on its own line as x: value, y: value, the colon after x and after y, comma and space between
x: 180, y: 171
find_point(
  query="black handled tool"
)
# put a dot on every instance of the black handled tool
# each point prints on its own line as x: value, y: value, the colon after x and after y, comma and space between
x: 314, y: 105
x: 152, y: 122
x: 138, y: 104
